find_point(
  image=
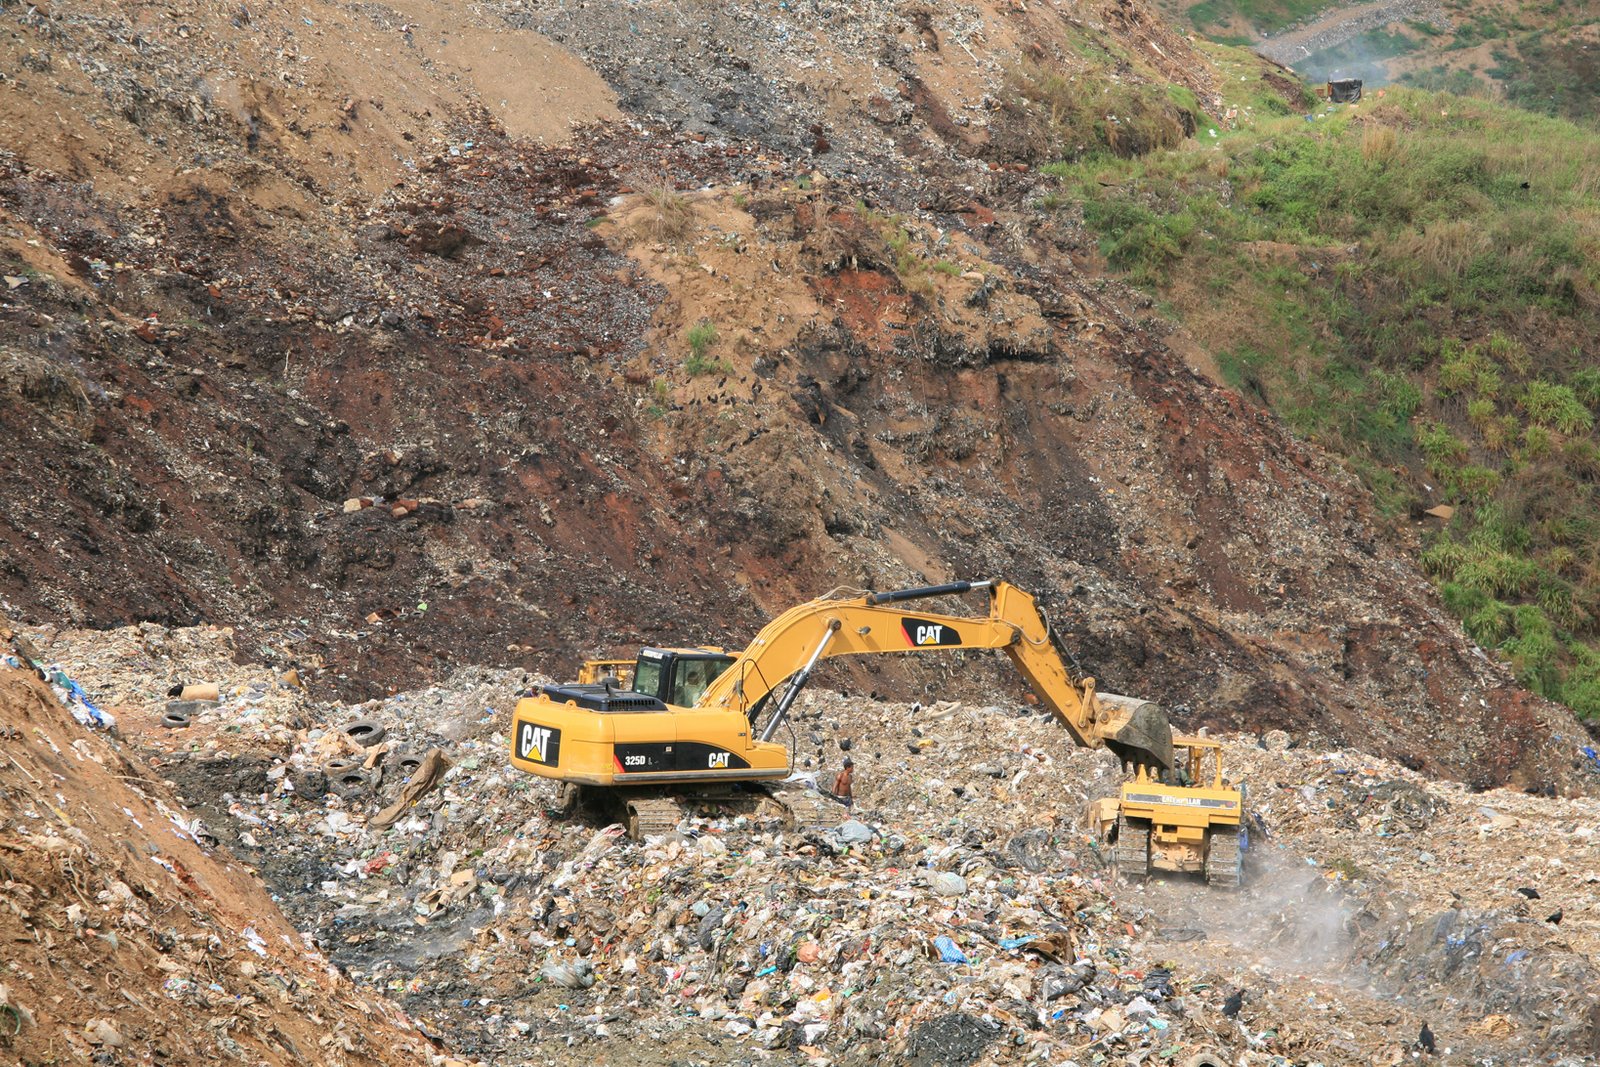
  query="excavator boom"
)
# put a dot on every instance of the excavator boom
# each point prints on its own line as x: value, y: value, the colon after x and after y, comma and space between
x: 1136, y: 730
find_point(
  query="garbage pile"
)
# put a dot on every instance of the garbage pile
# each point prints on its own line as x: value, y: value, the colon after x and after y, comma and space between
x: 962, y: 910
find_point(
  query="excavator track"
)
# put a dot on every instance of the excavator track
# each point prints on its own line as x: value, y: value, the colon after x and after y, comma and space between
x: 798, y: 808
x: 1223, y: 863
x: 1133, y: 848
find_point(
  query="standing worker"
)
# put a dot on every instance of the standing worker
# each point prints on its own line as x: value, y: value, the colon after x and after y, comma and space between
x: 841, y: 783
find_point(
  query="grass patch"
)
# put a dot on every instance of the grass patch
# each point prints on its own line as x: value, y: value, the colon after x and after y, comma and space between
x: 1416, y: 286
x: 1051, y: 113
x: 700, y: 337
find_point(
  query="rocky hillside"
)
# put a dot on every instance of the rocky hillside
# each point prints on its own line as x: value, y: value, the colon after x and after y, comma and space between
x: 620, y: 351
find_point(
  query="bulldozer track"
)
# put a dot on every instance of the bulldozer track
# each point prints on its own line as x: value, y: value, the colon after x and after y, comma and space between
x: 1222, y: 858
x: 1133, y: 848
x: 648, y: 816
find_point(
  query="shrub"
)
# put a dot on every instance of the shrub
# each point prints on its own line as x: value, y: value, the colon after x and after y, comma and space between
x: 1497, y: 573
x: 1443, y: 557
x: 1473, y: 483
x: 1139, y: 241
x: 701, y: 336
x: 1586, y: 386
x: 1441, y: 447
x: 1581, y: 689
x: 1397, y: 396
x: 1556, y: 406
x: 1582, y: 458
x: 1490, y: 624
x: 671, y: 215
x: 1467, y: 370
x: 1535, y: 442
x: 1534, y: 651
x: 1378, y: 143
x: 1555, y: 599
x: 1047, y: 114
x: 1561, y: 559
x: 1509, y: 351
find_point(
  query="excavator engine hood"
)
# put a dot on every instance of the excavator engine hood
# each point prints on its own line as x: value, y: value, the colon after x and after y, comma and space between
x: 1138, y: 731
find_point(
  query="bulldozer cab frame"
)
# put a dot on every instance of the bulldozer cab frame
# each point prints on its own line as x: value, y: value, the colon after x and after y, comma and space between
x: 1198, y: 764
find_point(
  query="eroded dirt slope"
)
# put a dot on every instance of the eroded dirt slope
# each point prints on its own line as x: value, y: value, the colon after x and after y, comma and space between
x: 130, y: 938
x: 321, y: 299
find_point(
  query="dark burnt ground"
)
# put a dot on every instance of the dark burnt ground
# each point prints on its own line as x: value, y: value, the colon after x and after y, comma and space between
x: 197, y: 414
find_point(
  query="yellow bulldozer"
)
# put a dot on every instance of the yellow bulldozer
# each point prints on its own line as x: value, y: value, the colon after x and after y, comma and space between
x: 1190, y: 819
x: 696, y: 725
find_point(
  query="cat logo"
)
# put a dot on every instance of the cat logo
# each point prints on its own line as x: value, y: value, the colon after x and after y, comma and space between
x: 717, y: 761
x: 925, y: 633
x: 540, y: 744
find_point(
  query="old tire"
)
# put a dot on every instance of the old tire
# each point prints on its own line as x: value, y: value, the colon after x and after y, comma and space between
x: 365, y: 732
x: 181, y: 713
x: 349, y: 784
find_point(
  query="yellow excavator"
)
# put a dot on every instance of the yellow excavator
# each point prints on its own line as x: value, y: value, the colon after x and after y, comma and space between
x: 700, y: 717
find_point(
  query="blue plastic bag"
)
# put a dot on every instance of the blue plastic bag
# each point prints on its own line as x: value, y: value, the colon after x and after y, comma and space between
x: 949, y: 951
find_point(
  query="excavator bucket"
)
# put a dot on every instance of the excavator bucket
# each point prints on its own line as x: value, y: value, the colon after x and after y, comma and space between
x: 1138, y: 731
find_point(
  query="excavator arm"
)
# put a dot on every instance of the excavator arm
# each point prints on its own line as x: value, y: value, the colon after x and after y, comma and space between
x: 1136, y: 730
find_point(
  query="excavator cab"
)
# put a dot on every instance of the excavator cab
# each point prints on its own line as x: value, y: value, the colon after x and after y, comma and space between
x: 678, y: 676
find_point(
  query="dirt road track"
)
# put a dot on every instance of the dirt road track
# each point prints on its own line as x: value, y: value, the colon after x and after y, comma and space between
x: 1345, y: 24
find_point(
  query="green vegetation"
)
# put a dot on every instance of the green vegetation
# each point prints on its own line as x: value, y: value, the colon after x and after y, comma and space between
x: 1264, y: 16
x: 1543, y: 57
x: 701, y: 336
x: 909, y: 265
x: 1550, y: 74
x: 1415, y: 285
x: 660, y: 399
x: 1065, y: 116
x: 1441, y: 79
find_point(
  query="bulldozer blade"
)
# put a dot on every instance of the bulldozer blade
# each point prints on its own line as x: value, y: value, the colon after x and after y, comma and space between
x: 1138, y: 731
